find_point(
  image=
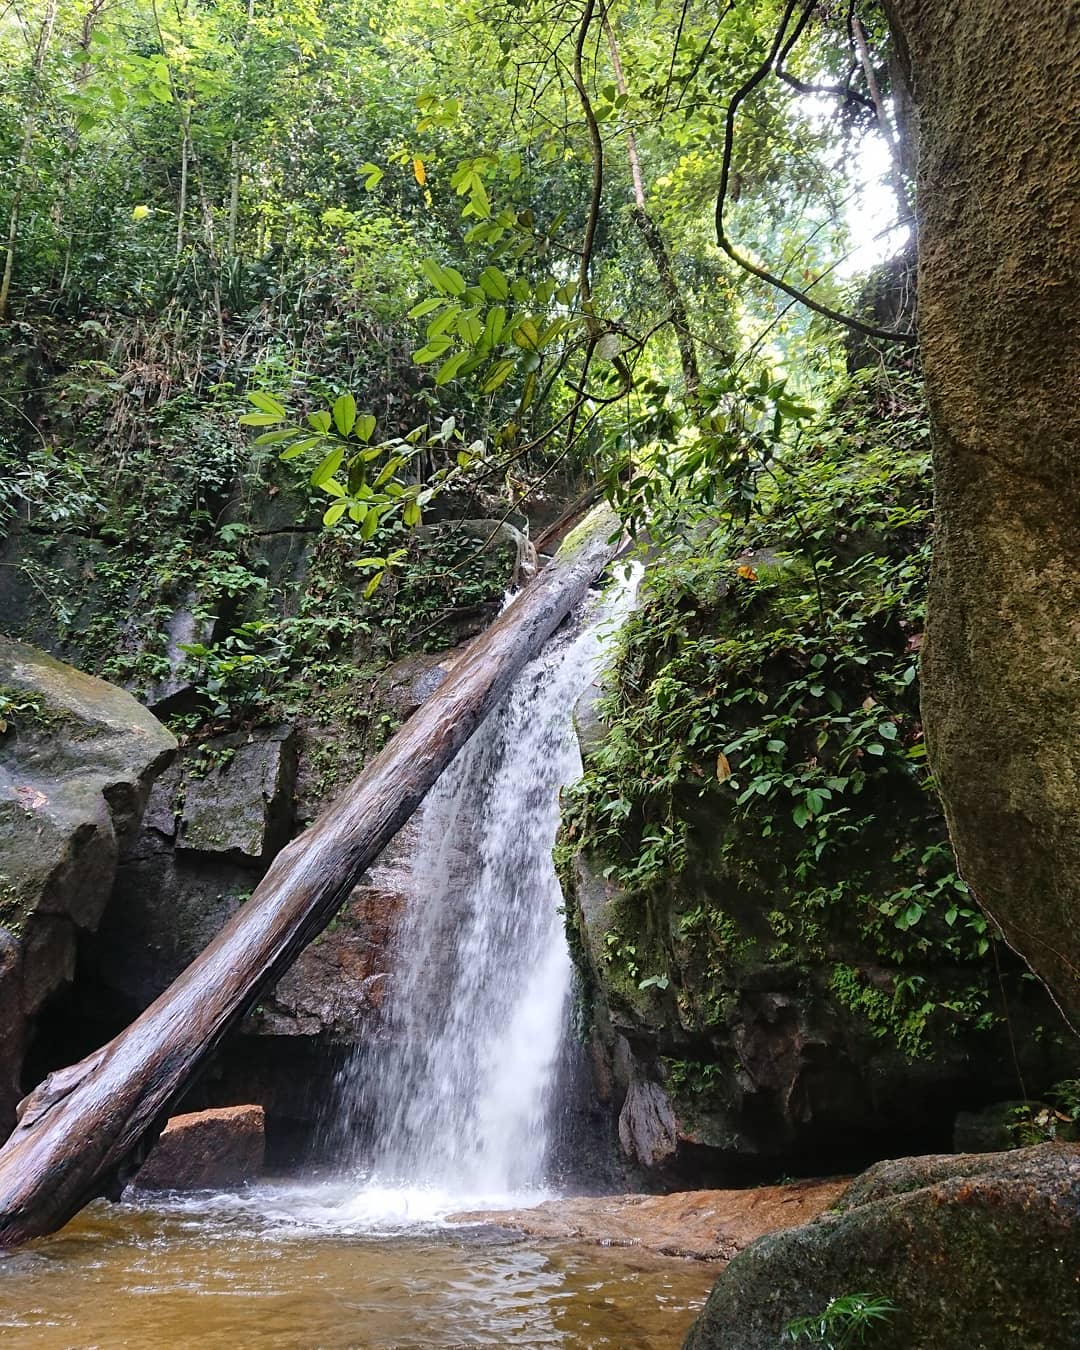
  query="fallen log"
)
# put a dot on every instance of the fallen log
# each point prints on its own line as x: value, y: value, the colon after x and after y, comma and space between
x: 84, y: 1130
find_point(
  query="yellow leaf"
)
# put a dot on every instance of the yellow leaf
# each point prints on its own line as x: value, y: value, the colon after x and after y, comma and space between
x: 419, y: 172
x: 140, y: 213
x: 723, y: 767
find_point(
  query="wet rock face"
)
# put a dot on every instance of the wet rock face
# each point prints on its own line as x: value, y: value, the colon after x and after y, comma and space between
x: 973, y: 1250
x: 648, y: 1128
x: 77, y: 759
x: 237, y: 796
x: 206, y: 1150
x: 339, y: 983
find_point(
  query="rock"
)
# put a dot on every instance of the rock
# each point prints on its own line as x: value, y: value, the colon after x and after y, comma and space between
x: 980, y: 1250
x: 403, y: 686
x: 999, y: 342
x: 705, y: 1225
x: 238, y: 793
x: 183, y: 627
x: 991, y: 1129
x: 206, y: 1150
x: 503, y: 541
x: 77, y: 757
x: 648, y: 1130
x: 340, y: 981
x: 766, y: 1071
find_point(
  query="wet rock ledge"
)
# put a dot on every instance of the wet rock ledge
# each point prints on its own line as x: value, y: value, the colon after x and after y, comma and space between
x: 704, y: 1225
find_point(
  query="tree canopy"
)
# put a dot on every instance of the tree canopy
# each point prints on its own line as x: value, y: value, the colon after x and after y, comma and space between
x: 456, y: 242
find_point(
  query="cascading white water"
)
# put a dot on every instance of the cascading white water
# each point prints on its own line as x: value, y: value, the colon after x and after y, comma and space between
x: 456, y: 1095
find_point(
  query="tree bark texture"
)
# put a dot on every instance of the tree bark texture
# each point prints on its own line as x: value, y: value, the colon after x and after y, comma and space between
x: 996, y: 88
x: 86, y: 1127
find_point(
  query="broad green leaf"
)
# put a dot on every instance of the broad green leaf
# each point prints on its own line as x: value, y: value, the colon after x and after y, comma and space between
x: 329, y: 466
x: 494, y: 283
x: 443, y: 321
x: 500, y: 372
x: 435, y: 275
x: 344, y: 413
x: 435, y: 348
x: 526, y: 334
x: 455, y: 282
x: 494, y: 325
x: 450, y: 368
x: 298, y: 447
x: 265, y: 403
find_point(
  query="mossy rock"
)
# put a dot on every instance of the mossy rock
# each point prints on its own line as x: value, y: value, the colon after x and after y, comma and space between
x: 980, y: 1252
x: 77, y: 757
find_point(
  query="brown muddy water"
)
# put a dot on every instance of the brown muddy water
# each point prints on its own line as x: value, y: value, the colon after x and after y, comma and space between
x: 293, y: 1266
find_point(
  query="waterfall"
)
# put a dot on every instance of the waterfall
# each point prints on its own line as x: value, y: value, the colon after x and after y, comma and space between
x: 456, y: 1092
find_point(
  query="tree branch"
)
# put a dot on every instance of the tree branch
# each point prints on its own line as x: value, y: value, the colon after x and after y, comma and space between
x: 781, y: 46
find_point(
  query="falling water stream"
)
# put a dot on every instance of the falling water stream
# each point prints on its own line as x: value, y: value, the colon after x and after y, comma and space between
x: 457, y: 1096
x: 451, y: 1108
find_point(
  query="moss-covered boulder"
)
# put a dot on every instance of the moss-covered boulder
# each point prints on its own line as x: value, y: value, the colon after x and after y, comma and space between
x: 980, y: 1251
x: 761, y: 891
x: 77, y: 758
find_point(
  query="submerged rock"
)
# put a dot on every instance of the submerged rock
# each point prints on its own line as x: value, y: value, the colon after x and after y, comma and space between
x: 705, y: 1225
x: 77, y: 758
x: 206, y: 1150
x: 979, y: 1250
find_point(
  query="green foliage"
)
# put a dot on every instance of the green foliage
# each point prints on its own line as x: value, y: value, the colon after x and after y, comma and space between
x: 18, y: 708
x: 847, y: 1321
x: 762, y: 791
x: 1039, y: 1123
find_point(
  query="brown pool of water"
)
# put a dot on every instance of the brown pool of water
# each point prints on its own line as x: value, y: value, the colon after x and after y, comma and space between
x: 253, y: 1276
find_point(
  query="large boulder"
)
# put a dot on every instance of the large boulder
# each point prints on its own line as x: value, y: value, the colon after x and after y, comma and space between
x: 77, y: 759
x: 999, y: 330
x: 214, y: 821
x: 979, y: 1250
x: 751, y: 1061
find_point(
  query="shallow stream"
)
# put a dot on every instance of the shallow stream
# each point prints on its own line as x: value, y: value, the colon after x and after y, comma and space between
x: 293, y: 1268
x: 453, y: 1099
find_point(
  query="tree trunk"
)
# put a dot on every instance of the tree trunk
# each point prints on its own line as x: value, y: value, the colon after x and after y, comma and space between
x: 83, y: 1130
x: 22, y: 164
x: 995, y: 87
x: 654, y: 240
